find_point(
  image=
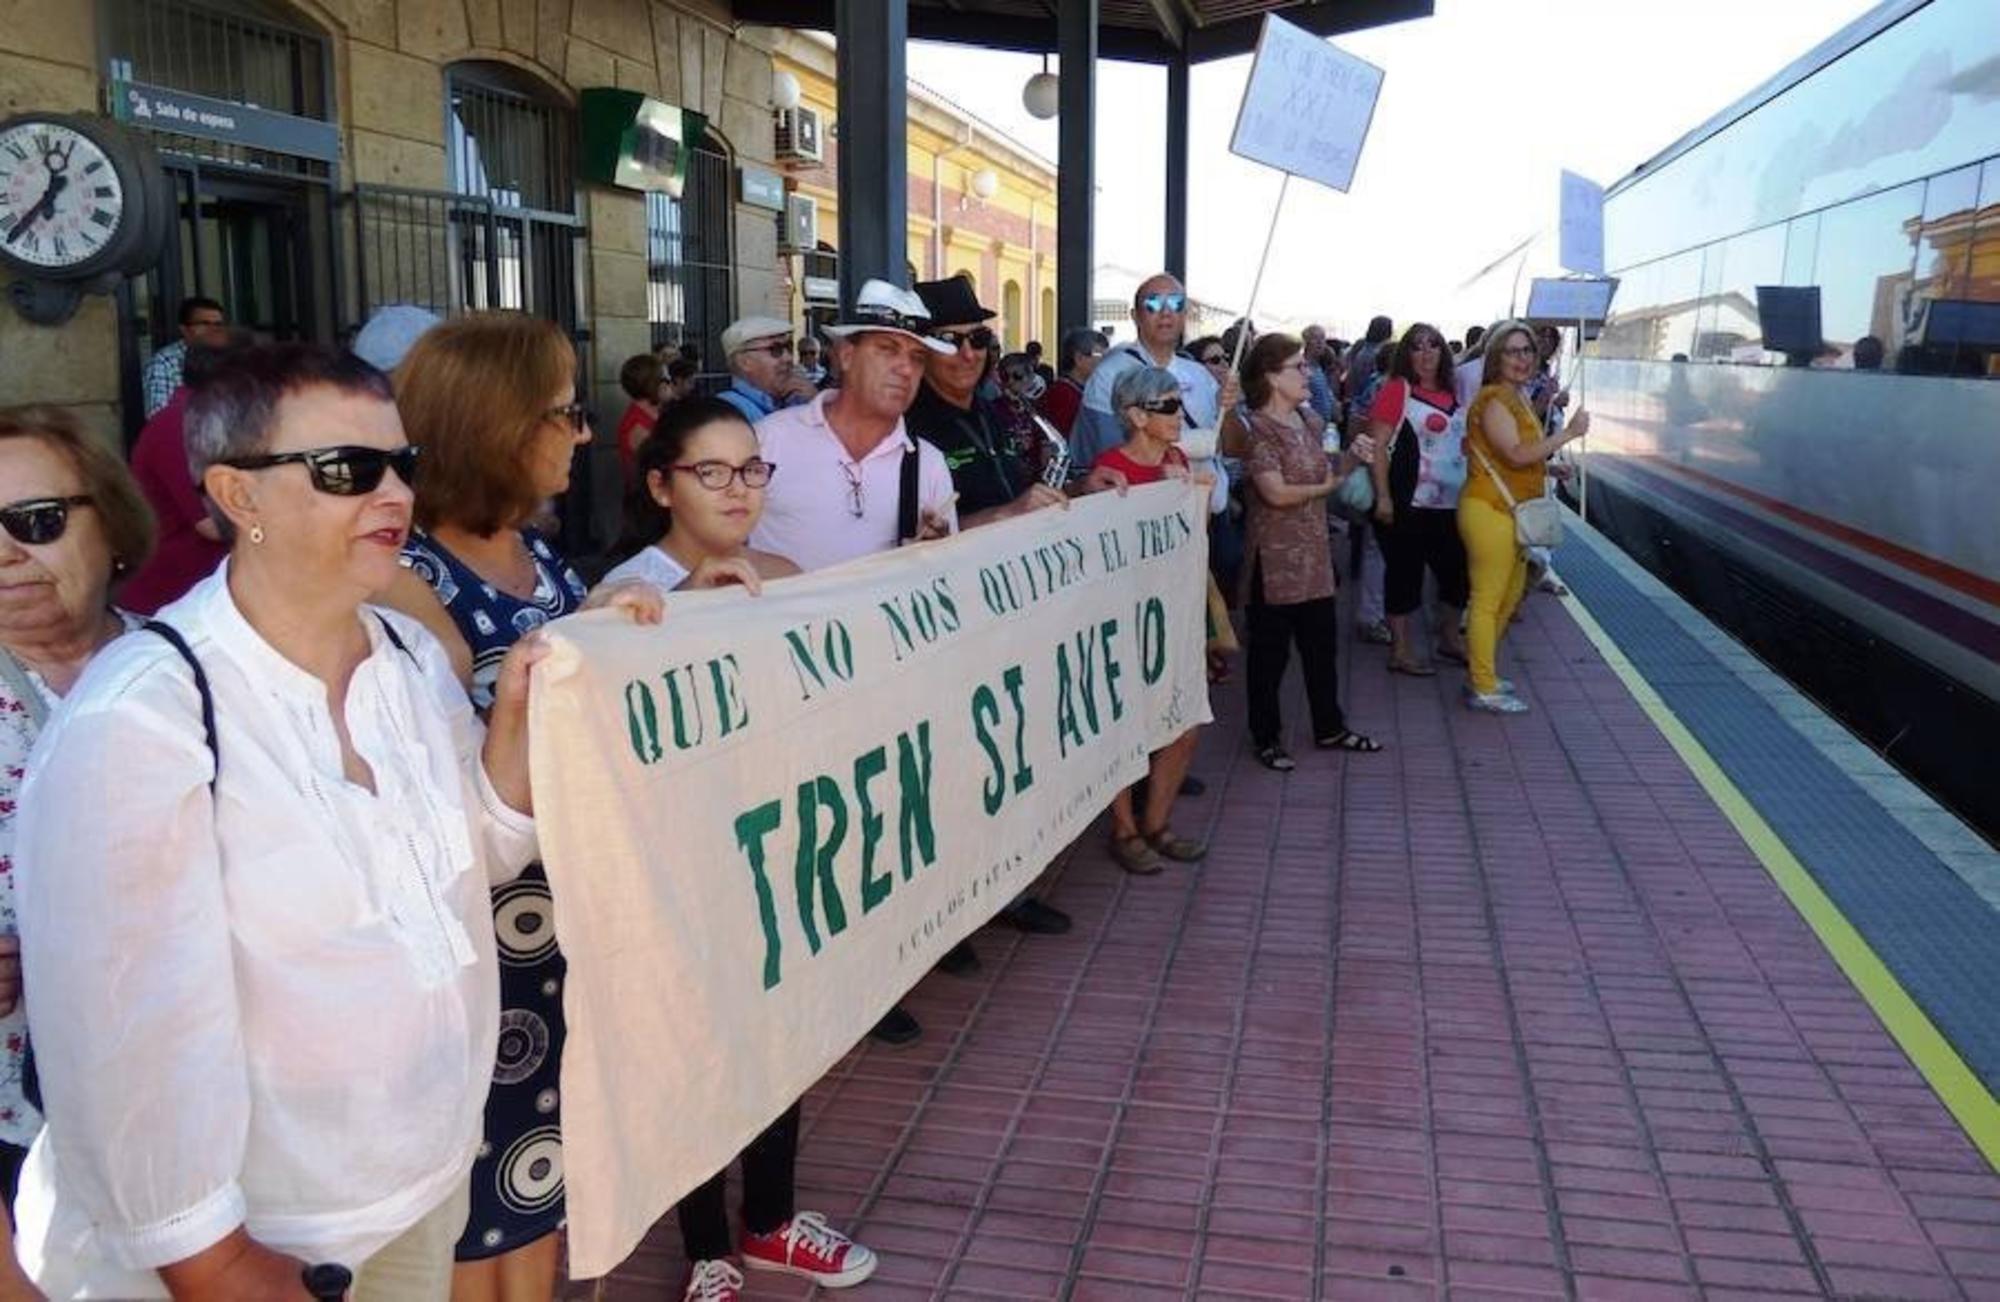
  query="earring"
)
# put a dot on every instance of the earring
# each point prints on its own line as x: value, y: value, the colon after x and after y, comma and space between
x: 257, y: 533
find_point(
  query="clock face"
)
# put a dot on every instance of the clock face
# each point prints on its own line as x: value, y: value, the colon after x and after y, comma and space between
x: 61, y: 199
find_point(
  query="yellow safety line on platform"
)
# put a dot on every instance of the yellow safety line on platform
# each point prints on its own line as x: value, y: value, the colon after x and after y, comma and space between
x: 1955, y: 1083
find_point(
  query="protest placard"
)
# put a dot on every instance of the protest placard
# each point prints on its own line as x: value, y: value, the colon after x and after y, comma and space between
x: 767, y: 817
x: 1307, y: 106
x: 1580, y: 231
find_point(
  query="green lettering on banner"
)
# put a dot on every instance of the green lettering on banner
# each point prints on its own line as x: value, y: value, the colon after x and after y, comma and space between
x: 684, y: 706
x: 1105, y: 633
x: 812, y: 870
x: 985, y: 712
x: 1152, y: 622
x: 874, y: 888
x: 1068, y: 734
x: 996, y: 589
x: 732, y: 712
x: 1086, y: 679
x: 913, y: 771
x: 1024, y: 773
x: 835, y: 649
x: 642, y: 721
x: 1113, y: 548
x: 751, y: 829
x: 947, y: 604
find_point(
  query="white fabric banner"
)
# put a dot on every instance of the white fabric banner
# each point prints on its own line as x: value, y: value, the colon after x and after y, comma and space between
x: 766, y: 818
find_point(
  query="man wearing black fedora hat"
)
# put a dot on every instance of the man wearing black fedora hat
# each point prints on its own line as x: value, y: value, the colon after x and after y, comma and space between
x: 992, y: 476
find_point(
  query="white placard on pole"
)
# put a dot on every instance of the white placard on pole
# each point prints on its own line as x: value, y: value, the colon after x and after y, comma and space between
x: 1582, y: 225
x: 1307, y: 106
x: 1568, y: 302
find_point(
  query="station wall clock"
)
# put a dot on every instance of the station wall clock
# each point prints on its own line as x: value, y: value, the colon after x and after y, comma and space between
x: 83, y: 204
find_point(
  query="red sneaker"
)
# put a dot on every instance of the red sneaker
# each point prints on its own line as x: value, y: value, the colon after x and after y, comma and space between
x: 807, y: 1246
x: 714, y: 1281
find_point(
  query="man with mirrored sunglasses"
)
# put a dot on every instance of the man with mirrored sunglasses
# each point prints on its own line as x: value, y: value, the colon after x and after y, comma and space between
x: 762, y: 376
x: 1159, y: 314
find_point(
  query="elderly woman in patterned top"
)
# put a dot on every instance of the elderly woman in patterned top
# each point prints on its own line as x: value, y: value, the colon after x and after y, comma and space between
x: 72, y: 522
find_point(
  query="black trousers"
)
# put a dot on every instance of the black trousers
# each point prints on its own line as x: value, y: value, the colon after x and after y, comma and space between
x: 1315, y: 626
x: 1421, y: 538
x: 769, y: 1176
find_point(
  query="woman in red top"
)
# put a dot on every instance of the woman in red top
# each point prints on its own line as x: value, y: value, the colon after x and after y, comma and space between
x: 1081, y: 350
x: 1148, y: 402
x: 641, y: 378
x: 1416, y: 418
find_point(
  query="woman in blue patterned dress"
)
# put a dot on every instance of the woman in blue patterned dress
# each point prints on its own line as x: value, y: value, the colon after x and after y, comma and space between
x: 490, y: 398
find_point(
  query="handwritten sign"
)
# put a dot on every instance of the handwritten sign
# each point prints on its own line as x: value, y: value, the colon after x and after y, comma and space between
x: 1581, y: 242
x: 1565, y: 302
x: 1307, y: 107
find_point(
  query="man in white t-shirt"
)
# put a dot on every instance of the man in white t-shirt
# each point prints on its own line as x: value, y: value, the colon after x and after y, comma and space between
x: 1159, y: 313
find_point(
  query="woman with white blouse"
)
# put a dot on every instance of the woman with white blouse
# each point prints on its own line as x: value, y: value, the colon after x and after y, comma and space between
x: 252, y: 869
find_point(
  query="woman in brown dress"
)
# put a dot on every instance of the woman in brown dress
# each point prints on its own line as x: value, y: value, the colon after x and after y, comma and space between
x: 1288, y: 565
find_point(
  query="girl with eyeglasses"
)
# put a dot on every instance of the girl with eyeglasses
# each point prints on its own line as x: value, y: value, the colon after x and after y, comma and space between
x: 697, y: 492
x: 489, y: 400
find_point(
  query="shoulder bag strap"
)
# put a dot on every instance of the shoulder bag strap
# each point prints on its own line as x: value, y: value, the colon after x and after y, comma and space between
x: 1498, y: 482
x: 24, y: 689
x: 179, y: 644
x: 906, y: 495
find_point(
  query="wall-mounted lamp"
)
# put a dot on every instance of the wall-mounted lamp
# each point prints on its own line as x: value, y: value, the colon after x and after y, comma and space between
x: 985, y: 183
x: 784, y: 90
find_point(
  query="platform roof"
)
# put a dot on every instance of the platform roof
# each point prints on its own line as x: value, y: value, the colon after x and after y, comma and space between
x: 1142, y: 30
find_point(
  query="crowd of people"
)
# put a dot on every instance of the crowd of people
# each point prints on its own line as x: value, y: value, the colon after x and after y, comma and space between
x: 278, y: 968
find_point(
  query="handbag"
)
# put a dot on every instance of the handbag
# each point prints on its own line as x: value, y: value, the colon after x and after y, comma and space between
x: 1356, y: 494
x: 1537, y: 522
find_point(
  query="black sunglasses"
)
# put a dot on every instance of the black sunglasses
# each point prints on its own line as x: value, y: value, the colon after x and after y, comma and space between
x: 981, y: 338
x: 40, y: 520
x: 1164, y: 407
x: 343, y: 471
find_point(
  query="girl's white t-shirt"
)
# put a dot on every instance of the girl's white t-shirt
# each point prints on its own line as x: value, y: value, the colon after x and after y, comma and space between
x: 650, y: 565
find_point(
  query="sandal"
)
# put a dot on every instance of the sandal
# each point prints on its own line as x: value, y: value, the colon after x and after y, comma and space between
x: 1136, y: 856
x: 1275, y: 759
x: 1181, y: 849
x: 1414, y: 668
x: 1350, y: 740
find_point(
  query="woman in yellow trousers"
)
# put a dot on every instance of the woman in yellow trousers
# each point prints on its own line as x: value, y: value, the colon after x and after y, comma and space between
x: 1504, y: 444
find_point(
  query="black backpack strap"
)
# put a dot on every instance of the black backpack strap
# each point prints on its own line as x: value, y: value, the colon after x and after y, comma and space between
x: 906, y: 495
x: 395, y: 638
x: 186, y: 652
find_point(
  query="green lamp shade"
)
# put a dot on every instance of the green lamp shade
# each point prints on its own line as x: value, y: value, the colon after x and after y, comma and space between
x: 637, y: 143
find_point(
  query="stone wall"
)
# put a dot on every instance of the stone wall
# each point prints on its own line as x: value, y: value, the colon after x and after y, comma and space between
x: 390, y: 58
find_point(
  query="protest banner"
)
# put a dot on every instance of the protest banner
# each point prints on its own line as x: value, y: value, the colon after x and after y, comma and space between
x: 767, y: 817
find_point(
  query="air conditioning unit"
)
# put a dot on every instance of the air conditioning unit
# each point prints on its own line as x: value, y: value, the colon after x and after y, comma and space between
x: 799, y: 138
x: 798, y: 227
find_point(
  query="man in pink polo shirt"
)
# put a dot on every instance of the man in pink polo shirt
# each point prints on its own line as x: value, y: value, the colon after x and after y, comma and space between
x: 848, y: 465
x: 841, y: 491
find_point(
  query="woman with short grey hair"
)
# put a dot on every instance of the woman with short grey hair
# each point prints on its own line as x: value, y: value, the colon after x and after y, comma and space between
x: 1147, y: 400
x: 252, y: 861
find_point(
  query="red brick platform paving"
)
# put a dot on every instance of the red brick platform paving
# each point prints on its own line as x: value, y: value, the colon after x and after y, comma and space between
x: 1506, y: 1011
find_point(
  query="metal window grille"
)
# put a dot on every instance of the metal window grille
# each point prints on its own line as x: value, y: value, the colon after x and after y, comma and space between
x: 690, y: 273
x: 507, y: 146
x: 241, y: 53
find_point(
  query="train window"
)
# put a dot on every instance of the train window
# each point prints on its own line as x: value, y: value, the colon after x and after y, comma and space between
x: 1801, y: 247
x: 1864, y: 266
x: 1629, y: 332
x: 1679, y: 301
x: 1729, y: 330
x: 1944, y: 270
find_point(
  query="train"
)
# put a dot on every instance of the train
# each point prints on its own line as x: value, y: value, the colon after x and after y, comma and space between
x: 1796, y: 394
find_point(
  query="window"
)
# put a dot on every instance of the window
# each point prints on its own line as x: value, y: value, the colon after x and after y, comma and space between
x: 1677, y: 305
x: 690, y: 280
x: 1943, y: 279
x: 1050, y: 331
x: 1730, y: 330
x: 1010, y: 313
x: 511, y: 152
x: 1863, y: 266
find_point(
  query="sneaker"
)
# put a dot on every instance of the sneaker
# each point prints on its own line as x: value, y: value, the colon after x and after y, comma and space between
x: 897, y: 1028
x: 714, y: 1281
x: 1035, y: 918
x: 810, y: 1248
x: 1506, y: 688
x: 1501, y: 702
x: 1377, y: 632
x: 961, y: 960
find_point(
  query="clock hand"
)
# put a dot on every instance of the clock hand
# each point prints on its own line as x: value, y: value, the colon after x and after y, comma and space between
x: 45, y: 207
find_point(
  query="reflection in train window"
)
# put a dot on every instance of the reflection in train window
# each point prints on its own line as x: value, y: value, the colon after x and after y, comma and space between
x: 1730, y: 331
x: 1863, y: 266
